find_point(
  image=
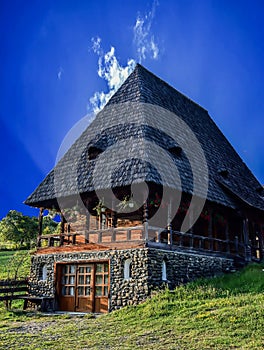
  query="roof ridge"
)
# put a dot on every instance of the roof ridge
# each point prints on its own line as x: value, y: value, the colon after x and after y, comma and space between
x: 140, y: 66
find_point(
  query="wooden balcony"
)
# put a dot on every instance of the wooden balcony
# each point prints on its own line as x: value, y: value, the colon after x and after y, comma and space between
x: 154, y: 237
x: 173, y: 240
x: 104, y: 236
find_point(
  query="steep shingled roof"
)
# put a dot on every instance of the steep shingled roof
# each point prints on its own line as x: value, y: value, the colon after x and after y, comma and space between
x: 136, y: 127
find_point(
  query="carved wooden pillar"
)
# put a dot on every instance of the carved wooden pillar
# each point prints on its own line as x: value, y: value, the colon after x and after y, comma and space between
x: 227, y: 238
x: 87, y: 226
x: 210, y: 228
x: 190, y: 210
x: 40, y: 225
x: 169, y: 226
x: 113, y: 214
x: 62, y: 229
x: 145, y: 219
x: 246, y: 240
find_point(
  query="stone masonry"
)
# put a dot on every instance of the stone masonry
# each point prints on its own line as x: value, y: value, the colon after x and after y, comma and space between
x: 146, y: 271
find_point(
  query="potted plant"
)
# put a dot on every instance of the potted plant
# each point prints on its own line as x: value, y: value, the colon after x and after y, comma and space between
x: 127, y: 202
x: 100, y: 207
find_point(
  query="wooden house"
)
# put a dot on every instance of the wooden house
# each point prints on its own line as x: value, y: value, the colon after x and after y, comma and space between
x: 197, y: 208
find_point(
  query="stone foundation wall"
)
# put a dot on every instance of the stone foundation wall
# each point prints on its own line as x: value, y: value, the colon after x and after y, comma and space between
x: 183, y: 267
x: 146, y: 271
x: 122, y: 292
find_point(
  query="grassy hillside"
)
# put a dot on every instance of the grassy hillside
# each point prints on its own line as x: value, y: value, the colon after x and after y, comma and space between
x: 11, y: 260
x: 220, y: 313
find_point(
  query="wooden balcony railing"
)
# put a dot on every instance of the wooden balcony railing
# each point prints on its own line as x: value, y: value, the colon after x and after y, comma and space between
x: 161, y: 237
x: 156, y: 237
x: 120, y: 234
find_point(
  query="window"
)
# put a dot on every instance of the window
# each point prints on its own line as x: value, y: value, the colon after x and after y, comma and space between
x: 164, y: 271
x: 43, y: 272
x: 93, y: 152
x: 127, y: 269
x: 175, y: 151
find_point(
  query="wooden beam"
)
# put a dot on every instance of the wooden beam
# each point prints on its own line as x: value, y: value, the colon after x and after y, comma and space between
x: 40, y: 226
x: 227, y: 237
x: 210, y: 228
x: 169, y: 227
x: 145, y: 219
x: 62, y: 229
x: 87, y: 226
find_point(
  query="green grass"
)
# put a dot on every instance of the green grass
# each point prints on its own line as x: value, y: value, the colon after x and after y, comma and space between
x: 10, y: 260
x: 221, y: 313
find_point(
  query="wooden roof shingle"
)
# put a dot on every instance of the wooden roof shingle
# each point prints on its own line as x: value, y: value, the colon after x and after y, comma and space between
x: 132, y: 126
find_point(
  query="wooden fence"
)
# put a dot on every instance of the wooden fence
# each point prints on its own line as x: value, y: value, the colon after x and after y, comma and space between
x: 13, y: 289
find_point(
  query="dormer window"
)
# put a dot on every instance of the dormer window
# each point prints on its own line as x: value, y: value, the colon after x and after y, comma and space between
x: 260, y: 190
x: 93, y: 152
x: 223, y: 172
x: 175, y: 151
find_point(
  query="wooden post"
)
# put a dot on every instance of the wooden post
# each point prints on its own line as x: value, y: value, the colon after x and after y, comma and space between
x: 114, y: 219
x: 190, y: 220
x: 62, y: 229
x: 68, y: 232
x: 40, y: 225
x: 169, y: 227
x: 227, y: 238
x: 87, y: 227
x: 210, y: 229
x: 145, y: 219
x: 246, y: 240
x: 236, y: 245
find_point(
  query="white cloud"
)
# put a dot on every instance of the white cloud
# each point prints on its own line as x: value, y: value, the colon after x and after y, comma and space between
x: 144, y: 40
x: 60, y: 72
x: 109, y: 67
x: 110, y: 70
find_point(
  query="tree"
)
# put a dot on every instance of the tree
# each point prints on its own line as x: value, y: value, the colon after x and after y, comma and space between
x: 18, y: 228
x: 22, y: 230
x: 50, y: 226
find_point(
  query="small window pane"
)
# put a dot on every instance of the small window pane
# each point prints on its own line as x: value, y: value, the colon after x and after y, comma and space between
x: 105, y: 267
x: 64, y: 291
x: 106, y: 279
x: 81, y: 269
x: 72, y: 268
x: 99, y: 291
x: 99, y: 279
x: 72, y: 280
x: 80, y: 290
x: 88, y: 279
x: 88, y: 269
x: 87, y: 291
x: 71, y: 290
x: 99, y: 268
x: 81, y: 279
x: 105, y: 291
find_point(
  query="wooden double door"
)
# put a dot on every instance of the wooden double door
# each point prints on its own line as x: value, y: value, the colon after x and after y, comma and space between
x: 83, y: 287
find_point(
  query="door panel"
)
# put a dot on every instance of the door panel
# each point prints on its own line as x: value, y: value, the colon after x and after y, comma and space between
x: 101, y: 287
x: 84, y: 295
x: 83, y: 287
x: 67, y: 288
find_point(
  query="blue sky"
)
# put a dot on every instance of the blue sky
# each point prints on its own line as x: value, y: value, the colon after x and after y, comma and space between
x: 212, y: 51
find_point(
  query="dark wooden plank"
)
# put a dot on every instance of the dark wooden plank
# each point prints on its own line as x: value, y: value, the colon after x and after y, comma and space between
x: 12, y: 282
x: 12, y: 297
x: 13, y: 289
